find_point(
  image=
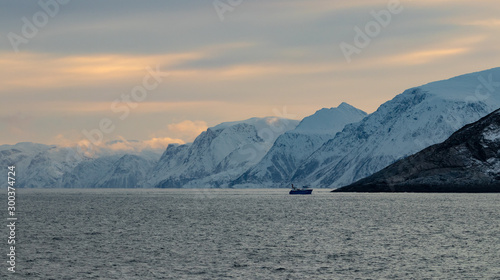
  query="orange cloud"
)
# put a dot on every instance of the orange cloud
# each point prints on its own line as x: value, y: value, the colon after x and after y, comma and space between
x: 138, y: 146
x: 485, y: 22
x: 161, y: 143
x: 155, y: 143
x: 42, y: 71
x: 187, y: 129
x: 422, y: 57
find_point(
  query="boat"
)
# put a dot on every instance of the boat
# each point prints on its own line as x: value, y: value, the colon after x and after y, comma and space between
x: 303, y: 190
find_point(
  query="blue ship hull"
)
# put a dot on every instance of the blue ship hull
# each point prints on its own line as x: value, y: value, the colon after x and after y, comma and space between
x: 300, y: 191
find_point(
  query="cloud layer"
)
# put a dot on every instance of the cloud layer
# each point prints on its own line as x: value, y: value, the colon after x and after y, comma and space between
x: 263, y: 55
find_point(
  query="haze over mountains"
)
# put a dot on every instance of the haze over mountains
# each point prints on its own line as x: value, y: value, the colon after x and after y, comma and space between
x: 331, y: 148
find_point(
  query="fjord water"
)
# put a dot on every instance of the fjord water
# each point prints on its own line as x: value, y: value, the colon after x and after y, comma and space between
x: 254, y: 234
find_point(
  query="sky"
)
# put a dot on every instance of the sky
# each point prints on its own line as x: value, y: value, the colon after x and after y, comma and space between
x: 163, y: 71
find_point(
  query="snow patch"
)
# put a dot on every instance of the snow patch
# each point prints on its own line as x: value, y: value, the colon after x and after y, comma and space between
x: 492, y: 133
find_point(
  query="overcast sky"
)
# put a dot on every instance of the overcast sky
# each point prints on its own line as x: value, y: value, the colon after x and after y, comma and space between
x: 69, y: 67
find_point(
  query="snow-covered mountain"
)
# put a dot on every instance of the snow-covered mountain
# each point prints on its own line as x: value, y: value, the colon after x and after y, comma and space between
x: 293, y: 147
x: 88, y: 172
x: 50, y: 166
x: 127, y: 172
x: 468, y: 161
x: 218, y: 155
x: 413, y: 120
x: 37, y: 165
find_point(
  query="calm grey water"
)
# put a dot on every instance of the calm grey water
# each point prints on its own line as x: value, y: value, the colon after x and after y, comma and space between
x: 254, y: 234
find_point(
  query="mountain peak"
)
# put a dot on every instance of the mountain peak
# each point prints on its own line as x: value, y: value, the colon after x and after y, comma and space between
x: 293, y: 147
x: 260, y: 123
x: 345, y: 105
x: 330, y: 121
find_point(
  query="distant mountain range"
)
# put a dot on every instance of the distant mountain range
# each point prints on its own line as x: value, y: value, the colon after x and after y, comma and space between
x: 329, y: 149
x: 49, y: 166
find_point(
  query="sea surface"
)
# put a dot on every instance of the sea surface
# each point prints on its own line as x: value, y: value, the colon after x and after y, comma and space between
x: 252, y: 234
